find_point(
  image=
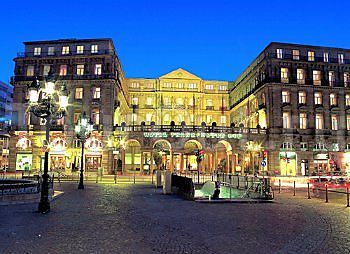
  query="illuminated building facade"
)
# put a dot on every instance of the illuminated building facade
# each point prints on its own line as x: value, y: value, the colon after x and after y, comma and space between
x: 301, y: 95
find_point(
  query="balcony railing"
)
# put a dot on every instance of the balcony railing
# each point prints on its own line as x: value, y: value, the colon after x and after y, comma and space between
x: 305, y: 58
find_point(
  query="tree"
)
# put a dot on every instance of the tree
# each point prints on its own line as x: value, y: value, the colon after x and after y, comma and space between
x: 157, y: 154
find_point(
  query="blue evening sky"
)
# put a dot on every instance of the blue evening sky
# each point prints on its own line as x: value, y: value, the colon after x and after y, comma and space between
x: 214, y: 39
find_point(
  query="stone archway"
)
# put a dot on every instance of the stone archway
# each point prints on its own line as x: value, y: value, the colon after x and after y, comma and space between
x: 223, y: 156
x: 162, y: 154
x: 189, y: 155
x: 132, y: 156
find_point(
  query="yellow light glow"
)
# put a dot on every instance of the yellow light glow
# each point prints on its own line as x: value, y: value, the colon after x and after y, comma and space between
x: 49, y: 88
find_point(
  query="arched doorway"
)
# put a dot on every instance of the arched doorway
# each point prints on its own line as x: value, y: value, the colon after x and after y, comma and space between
x: 189, y: 158
x: 132, y: 157
x: 161, y: 154
x: 223, y: 155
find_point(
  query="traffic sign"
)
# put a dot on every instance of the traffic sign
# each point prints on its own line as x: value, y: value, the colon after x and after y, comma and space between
x: 263, y: 164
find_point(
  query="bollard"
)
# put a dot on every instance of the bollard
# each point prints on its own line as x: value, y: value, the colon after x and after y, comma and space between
x: 230, y: 177
x: 294, y: 189
x: 134, y: 178
x: 152, y: 178
x: 347, y: 196
x: 326, y: 193
x: 279, y: 185
x: 237, y: 181
x: 212, y: 177
x: 115, y: 178
x: 308, y: 191
x: 96, y: 178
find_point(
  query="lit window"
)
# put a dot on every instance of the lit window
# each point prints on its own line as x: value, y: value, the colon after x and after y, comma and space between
x: 340, y: 58
x: 223, y: 119
x: 180, y: 118
x: 318, y: 98
x: 279, y: 53
x: 167, y: 85
x: 167, y: 101
x: 209, y: 104
x: 149, y: 101
x: 311, y: 56
x: 303, y: 146
x: 192, y: 85
x: 148, y: 117
x: 135, y: 85
x: 303, y: 121
x: 191, y: 118
x: 223, y: 88
x: 98, y: 69
x: 209, y: 119
x: 191, y: 102
x: 37, y: 51
x: 285, y: 97
x: 94, y: 48
x: 79, y: 93
x: 332, y: 99
x: 80, y: 69
x: 347, y: 100
x: 296, y: 54
x: 65, y: 50
x: 301, y: 76
x: 286, y: 120
x: 316, y: 77
x: 60, y: 121
x: 76, y: 117
x: 348, y: 122
x: 80, y: 49
x: 179, y: 101
x: 30, y: 71
x: 326, y: 57
x: 180, y: 85
x: 95, y: 116
x: 319, y: 122
x: 302, y: 97
x: 96, y: 92
x: 346, y: 79
x: 209, y: 87
x: 50, y: 51
x: 63, y: 70
x: 334, y: 119
x: 284, y: 75
x: 331, y: 78
x: 166, y: 118
x: 135, y: 101
x: 46, y: 69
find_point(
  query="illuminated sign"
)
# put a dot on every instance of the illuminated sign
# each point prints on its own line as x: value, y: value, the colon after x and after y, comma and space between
x: 191, y: 135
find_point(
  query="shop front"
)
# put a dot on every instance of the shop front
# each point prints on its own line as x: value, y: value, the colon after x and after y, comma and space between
x: 93, y: 157
x: 288, y: 163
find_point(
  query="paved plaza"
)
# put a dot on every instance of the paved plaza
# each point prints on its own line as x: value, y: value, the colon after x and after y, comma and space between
x: 127, y: 218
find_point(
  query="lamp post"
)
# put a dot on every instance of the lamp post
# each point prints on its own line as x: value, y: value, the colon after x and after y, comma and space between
x: 83, y: 130
x: 49, y: 104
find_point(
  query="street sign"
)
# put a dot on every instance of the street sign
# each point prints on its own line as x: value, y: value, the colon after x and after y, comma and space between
x: 263, y: 164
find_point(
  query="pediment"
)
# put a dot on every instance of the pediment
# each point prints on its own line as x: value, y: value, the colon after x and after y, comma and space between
x: 179, y: 74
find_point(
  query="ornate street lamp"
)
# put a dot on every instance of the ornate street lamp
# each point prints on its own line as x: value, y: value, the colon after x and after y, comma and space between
x: 83, y: 130
x: 49, y: 104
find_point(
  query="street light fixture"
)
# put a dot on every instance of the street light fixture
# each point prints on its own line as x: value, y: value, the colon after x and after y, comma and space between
x: 49, y: 104
x: 83, y: 130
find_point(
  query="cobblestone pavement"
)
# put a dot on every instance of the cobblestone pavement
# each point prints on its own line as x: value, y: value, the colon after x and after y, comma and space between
x: 126, y: 218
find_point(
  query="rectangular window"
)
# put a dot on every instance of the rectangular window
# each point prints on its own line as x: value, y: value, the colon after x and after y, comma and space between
x: 80, y: 49
x: 96, y: 92
x: 285, y: 97
x: 191, y: 118
x: 95, y: 116
x: 60, y: 121
x: 63, y: 70
x: 316, y: 75
x: 311, y: 56
x: 223, y: 119
x: 303, y: 146
x: 347, y: 100
x: 223, y: 88
x: 319, y: 122
x: 303, y: 121
x: 148, y: 117
x: 346, y: 79
x: 167, y: 101
x: 348, y: 122
x: 331, y: 78
x: 340, y: 58
x: 334, y: 119
x: 50, y: 51
x: 279, y: 53
x: 30, y: 71
x: 80, y: 69
x: 98, y: 69
x: 135, y: 85
x: 326, y: 57
x: 192, y: 85
x: 167, y: 85
x: 149, y: 101
x: 318, y: 98
x: 286, y: 120
x: 302, y: 97
x: 300, y: 76
x: 209, y: 119
x: 166, y: 118
x: 65, y: 50
x: 76, y: 117
x: 209, y: 87
x: 37, y: 51
x: 180, y: 85
x: 284, y: 75
x: 135, y: 101
x: 209, y: 103
x: 94, y: 48
x: 296, y: 54
x: 46, y: 69
x: 333, y: 99
x: 79, y: 93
